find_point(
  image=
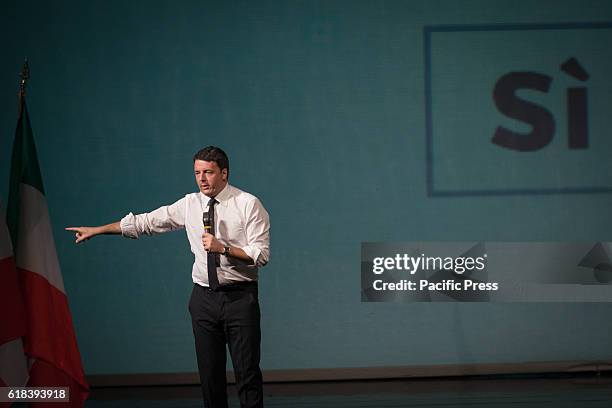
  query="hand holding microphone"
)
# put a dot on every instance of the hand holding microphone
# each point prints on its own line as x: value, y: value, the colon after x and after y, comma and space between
x: 211, y: 244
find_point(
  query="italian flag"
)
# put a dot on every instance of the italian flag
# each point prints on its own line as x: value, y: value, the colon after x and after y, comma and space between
x: 44, y: 323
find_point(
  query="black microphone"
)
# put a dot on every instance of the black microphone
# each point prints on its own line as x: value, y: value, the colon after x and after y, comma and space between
x: 206, y: 221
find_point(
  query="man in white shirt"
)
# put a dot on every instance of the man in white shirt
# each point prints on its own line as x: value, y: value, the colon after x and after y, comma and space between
x: 224, y: 304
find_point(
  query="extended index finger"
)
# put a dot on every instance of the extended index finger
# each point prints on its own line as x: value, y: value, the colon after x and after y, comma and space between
x: 72, y: 228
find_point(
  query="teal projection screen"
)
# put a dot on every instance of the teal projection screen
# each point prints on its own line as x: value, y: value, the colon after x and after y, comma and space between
x: 352, y: 121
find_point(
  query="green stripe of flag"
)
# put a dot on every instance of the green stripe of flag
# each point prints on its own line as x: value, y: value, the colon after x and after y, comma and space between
x: 24, y: 169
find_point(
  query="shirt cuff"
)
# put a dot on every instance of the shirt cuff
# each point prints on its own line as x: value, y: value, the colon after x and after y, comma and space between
x: 253, y: 252
x: 128, y: 226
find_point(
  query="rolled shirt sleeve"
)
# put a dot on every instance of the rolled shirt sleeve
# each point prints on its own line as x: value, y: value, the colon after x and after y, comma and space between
x: 128, y: 229
x: 164, y: 219
x: 257, y: 233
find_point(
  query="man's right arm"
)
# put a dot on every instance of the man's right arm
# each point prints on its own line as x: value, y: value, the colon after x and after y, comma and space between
x: 85, y: 233
x: 167, y: 218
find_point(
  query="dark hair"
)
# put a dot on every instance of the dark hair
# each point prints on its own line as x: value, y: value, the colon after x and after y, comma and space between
x: 213, y: 154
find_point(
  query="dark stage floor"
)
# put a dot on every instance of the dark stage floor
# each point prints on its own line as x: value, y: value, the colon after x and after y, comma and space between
x: 584, y: 391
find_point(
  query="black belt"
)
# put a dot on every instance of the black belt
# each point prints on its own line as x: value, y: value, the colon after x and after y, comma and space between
x: 234, y: 286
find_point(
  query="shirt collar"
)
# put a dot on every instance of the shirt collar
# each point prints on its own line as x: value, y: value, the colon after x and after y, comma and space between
x: 222, y: 197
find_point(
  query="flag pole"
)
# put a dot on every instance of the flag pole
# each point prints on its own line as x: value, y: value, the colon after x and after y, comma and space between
x: 25, y: 75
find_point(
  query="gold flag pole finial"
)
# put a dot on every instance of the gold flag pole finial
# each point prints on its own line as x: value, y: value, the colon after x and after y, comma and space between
x: 25, y: 75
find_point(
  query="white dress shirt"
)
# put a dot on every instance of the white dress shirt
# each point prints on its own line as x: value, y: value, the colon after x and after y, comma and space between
x: 241, y: 221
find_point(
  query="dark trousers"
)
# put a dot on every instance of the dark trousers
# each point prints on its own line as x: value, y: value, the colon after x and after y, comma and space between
x: 230, y: 315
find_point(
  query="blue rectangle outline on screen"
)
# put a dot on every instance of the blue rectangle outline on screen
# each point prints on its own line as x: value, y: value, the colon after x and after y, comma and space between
x: 448, y: 28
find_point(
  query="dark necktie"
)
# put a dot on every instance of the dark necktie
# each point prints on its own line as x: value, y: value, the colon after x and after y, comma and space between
x: 211, y: 260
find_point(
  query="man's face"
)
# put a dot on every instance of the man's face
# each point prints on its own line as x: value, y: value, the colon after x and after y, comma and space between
x: 209, y: 177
